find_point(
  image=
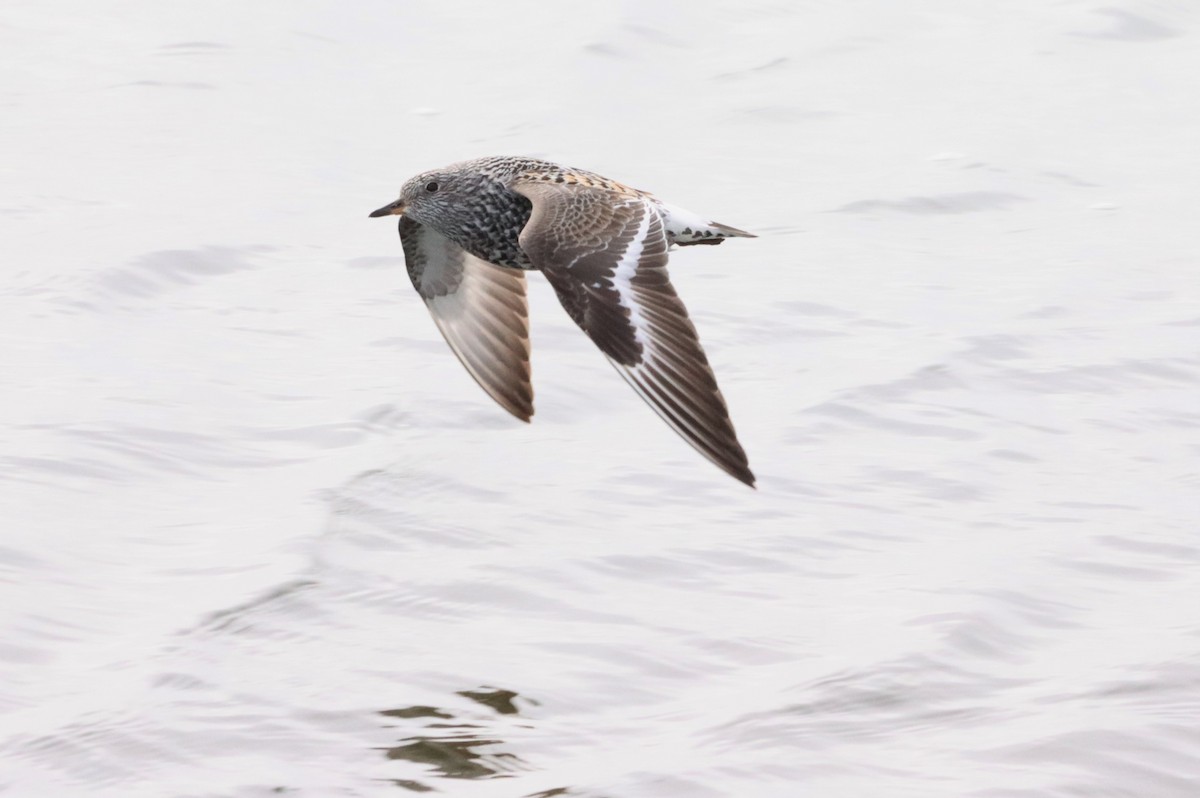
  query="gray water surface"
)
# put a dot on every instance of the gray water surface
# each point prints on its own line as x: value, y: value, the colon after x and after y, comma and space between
x: 263, y: 535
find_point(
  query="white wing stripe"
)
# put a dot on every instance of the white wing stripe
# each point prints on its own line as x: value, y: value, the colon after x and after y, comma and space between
x: 623, y: 280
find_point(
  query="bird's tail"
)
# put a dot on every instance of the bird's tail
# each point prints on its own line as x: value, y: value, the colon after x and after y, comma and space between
x: 686, y: 228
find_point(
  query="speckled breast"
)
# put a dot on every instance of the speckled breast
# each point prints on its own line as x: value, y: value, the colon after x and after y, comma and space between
x: 493, y: 226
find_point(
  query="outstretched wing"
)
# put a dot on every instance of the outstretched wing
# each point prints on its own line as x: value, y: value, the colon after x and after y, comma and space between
x: 605, y: 253
x: 480, y: 309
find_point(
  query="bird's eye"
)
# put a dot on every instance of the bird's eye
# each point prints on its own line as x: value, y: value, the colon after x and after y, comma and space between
x: 431, y: 186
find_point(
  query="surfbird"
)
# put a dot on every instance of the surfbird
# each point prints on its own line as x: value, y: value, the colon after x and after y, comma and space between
x: 470, y: 231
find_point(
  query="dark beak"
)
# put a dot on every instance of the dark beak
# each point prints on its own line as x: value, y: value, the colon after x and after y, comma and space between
x: 394, y: 209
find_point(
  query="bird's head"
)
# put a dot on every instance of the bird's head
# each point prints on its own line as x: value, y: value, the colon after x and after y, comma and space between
x: 426, y: 198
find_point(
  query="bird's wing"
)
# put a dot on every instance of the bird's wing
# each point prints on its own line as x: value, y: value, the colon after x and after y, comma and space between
x: 480, y: 309
x: 605, y: 253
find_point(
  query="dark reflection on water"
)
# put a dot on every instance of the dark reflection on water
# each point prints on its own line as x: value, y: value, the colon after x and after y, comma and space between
x: 450, y: 747
x: 412, y: 786
x: 499, y: 700
x: 452, y: 756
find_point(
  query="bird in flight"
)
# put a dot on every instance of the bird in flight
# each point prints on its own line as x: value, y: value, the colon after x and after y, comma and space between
x: 470, y: 231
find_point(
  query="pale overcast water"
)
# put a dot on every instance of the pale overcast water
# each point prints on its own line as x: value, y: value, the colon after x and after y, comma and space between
x: 263, y: 535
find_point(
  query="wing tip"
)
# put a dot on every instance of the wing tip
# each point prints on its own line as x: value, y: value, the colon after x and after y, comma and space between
x: 744, y: 476
x: 733, y: 462
x: 521, y: 409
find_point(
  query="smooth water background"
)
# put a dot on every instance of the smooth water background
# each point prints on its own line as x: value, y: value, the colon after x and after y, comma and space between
x: 263, y: 535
